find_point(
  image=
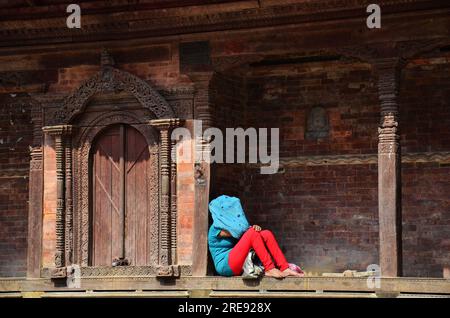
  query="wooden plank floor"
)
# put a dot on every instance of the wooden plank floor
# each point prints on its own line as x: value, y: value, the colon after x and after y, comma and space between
x: 226, y: 287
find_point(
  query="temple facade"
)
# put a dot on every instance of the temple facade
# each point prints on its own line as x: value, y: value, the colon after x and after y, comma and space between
x: 90, y: 180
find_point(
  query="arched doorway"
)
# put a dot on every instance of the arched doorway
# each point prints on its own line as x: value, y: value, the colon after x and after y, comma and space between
x: 121, y: 208
x: 143, y: 228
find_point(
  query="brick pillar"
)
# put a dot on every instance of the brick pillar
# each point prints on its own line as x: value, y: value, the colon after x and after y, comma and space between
x: 165, y: 127
x: 389, y: 165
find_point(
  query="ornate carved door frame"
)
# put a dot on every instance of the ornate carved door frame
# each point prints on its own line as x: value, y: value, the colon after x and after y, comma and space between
x: 83, y: 141
x: 74, y: 134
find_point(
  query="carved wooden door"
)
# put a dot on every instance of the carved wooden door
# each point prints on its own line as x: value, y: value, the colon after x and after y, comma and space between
x: 120, y: 197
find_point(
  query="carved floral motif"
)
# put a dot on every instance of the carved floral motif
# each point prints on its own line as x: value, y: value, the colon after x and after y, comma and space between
x: 110, y: 79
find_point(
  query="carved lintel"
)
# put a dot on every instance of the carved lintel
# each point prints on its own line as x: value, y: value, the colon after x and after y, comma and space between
x: 149, y: 271
x: 402, y: 50
x: 111, y: 79
x: 191, y: 21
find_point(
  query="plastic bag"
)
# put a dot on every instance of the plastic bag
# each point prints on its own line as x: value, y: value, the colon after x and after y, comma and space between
x: 250, y: 268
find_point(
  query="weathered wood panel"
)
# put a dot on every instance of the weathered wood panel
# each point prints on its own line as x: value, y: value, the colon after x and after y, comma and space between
x: 121, y: 202
x: 137, y: 201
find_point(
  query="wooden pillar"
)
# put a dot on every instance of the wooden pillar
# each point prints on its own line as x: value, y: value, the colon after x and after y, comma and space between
x: 59, y: 133
x: 173, y: 203
x: 165, y: 127
x: 202, y: 174
x: 59, y: 254
x: 35, y: 209
x: 69, y: 198
x: 389, y: 165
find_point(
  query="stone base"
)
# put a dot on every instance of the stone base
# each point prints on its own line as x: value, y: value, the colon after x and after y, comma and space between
x: 58, y: 272
x: 168, y: 271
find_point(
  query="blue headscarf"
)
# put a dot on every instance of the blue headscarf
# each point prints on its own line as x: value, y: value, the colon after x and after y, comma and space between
x: 227, y: 214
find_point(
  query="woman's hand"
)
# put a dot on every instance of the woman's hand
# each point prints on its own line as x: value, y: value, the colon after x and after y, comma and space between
x: 224, y: 233
x: 257, y: 228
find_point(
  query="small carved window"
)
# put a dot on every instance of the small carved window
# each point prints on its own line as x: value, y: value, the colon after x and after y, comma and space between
x: 317, y: 124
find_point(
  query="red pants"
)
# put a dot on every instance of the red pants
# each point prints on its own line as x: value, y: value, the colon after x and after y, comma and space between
x: 260, y: 242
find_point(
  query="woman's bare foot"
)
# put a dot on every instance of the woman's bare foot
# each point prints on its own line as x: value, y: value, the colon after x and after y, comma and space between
x: 290, y: 272
x: 274, y: 272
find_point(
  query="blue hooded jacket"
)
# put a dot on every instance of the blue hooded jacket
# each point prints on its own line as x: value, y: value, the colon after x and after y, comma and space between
x: 227, y: 214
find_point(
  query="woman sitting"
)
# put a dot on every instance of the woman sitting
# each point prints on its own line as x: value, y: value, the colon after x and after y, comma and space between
x: 229, y: 253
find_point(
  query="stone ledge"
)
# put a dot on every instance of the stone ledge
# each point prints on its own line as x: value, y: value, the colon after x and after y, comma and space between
x: 389, y: 286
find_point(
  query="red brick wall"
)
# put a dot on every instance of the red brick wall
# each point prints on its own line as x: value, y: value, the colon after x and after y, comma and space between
x: 185, y: 202
x: 326, y: 217
x: 426, y: 218
x: 347, y: 91
x: 425, y: 105
x: 228, y: 96
x: 15, y: 138
x: 425, y: 125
